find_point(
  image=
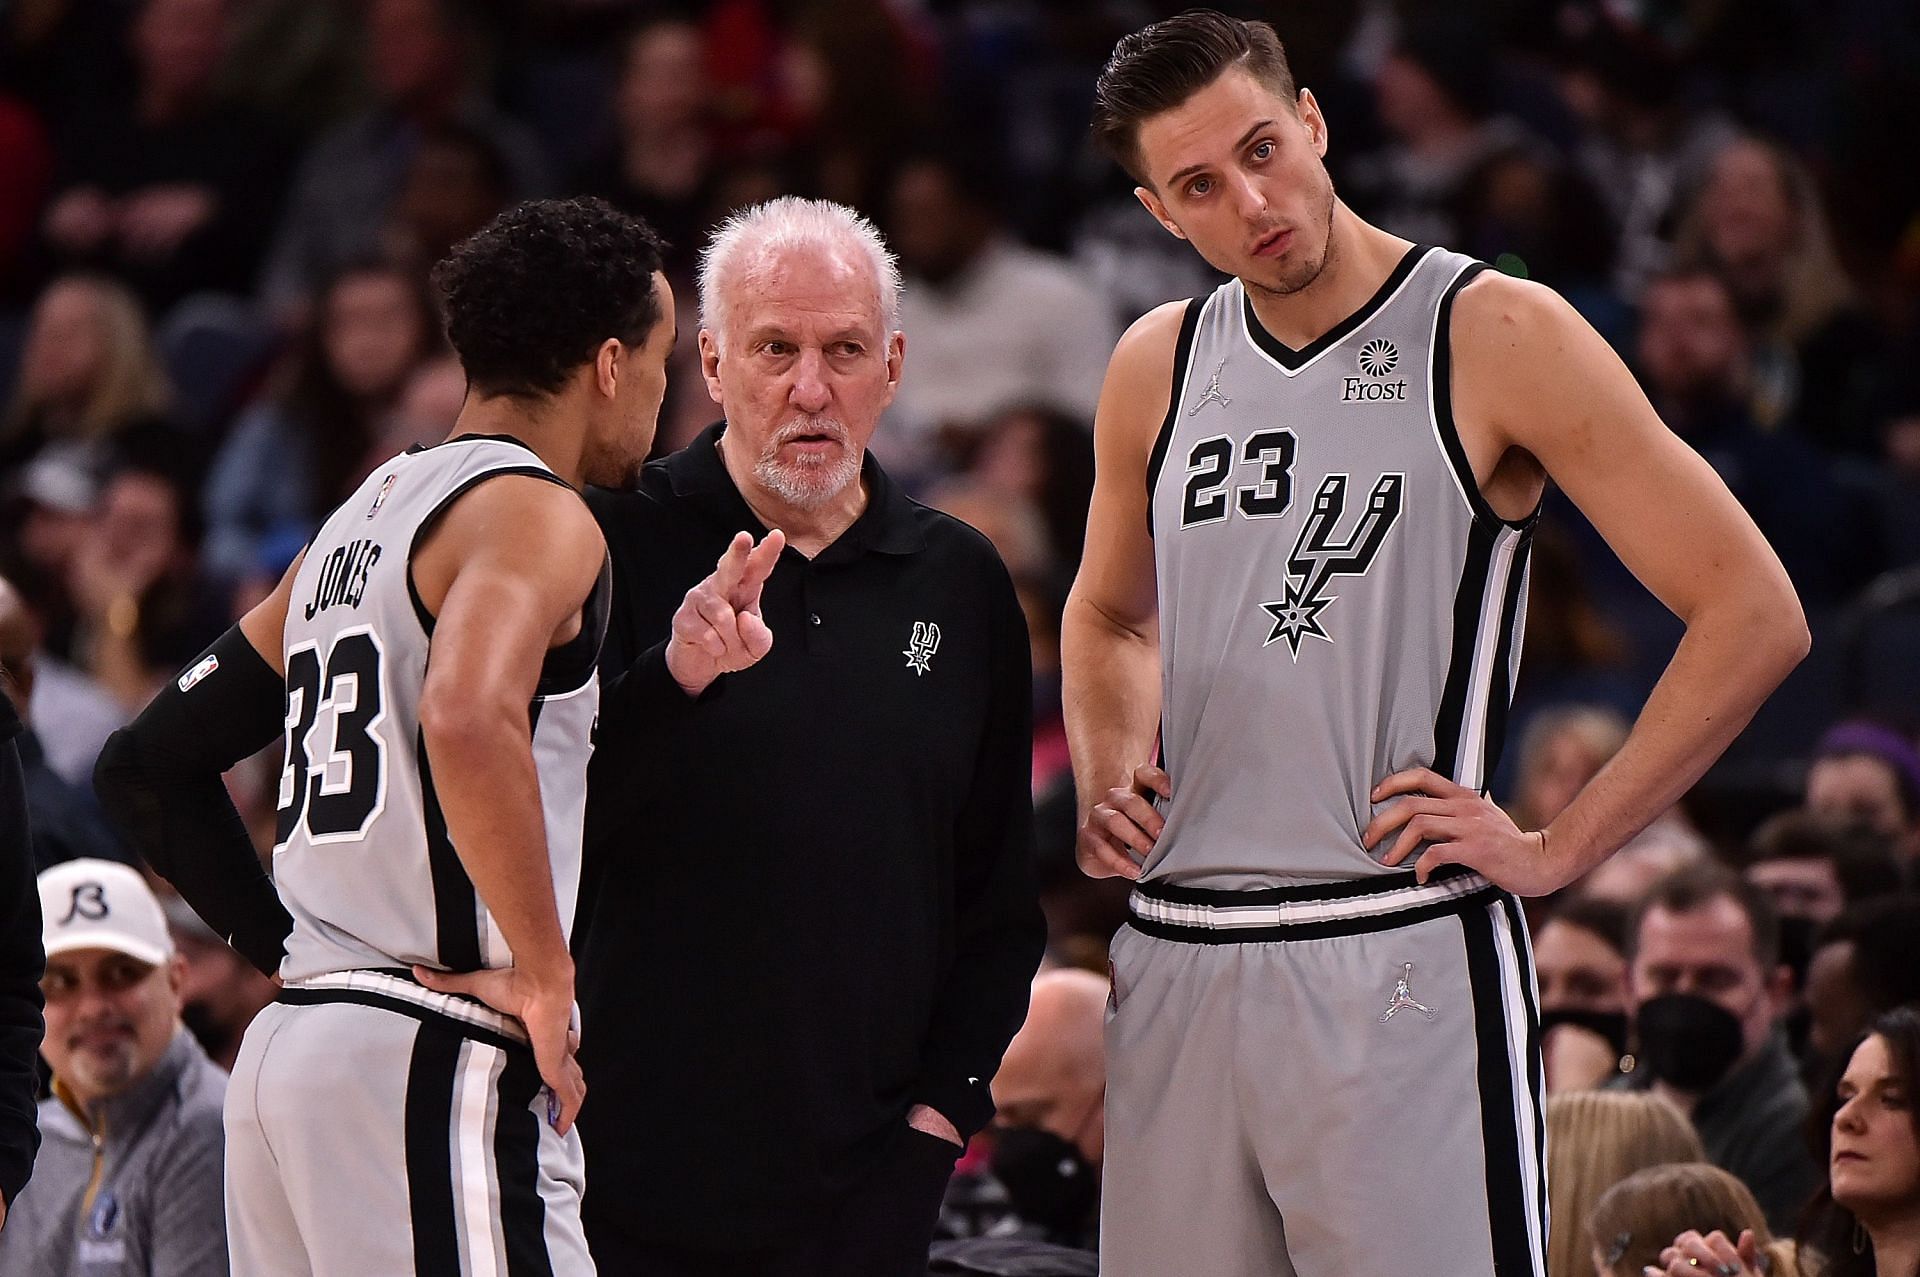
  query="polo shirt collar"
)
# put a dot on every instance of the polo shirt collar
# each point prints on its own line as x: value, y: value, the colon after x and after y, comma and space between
x: 887, y: 525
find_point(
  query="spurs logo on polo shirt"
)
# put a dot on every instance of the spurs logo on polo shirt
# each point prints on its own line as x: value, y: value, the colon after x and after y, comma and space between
x: 924, y: 642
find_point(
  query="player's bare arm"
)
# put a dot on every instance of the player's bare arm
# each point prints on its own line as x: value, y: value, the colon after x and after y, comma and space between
x: 265, y: 623
x: 1109, y: 636
x: 505, y: 573
x: 1537, y: 386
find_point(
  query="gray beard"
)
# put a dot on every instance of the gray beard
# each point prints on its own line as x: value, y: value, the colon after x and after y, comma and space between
x: 806, y: 485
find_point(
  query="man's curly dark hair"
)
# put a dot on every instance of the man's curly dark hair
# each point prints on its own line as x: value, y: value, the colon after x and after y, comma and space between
x: 530, y: 297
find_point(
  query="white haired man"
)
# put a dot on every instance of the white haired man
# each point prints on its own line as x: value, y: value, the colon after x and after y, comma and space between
x: 808, y: 924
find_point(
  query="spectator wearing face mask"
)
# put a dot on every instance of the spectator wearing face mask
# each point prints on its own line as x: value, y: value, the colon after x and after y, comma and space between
x: 1580, y: 960
x: 1708, y: 990
x: 1042, y: 1180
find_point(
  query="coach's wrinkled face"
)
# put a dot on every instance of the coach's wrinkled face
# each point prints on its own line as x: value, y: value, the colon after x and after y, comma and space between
x: 803, y: 371
x: 110, y: 1017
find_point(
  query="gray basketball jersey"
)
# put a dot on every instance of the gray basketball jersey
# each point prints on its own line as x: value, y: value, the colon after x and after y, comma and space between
x: 361, y: 853
x: 1337, y: 600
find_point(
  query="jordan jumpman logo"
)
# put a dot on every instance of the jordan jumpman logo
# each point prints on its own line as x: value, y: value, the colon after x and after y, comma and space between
x: 1403, y: 999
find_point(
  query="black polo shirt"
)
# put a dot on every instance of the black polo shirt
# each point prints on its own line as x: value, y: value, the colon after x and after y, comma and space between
x: 808, y: 902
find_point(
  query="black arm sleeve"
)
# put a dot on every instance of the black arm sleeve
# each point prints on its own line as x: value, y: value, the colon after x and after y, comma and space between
x: 159, y: 779
x: 21, y: 964
x: 999, y: 931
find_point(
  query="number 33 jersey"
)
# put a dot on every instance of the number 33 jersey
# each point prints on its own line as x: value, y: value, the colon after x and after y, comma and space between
x: 361, y: 853
x: 1337, y: 601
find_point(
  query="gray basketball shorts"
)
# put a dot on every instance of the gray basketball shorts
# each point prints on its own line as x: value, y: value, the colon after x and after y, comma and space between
x: 1330, y: 1080
x: 375, y: 1127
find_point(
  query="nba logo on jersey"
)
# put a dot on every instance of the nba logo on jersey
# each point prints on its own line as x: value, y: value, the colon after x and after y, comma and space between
x: 381, y: 498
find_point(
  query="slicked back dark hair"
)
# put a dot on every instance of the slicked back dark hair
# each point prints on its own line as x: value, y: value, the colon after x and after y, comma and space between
x: 530, y: 297
x: 1163, y: 64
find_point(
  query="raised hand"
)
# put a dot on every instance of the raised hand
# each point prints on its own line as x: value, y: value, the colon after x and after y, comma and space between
x: 718, y: 628
x: 545, y: 1008
x: 1122, y: 827
x: 1465, y: 828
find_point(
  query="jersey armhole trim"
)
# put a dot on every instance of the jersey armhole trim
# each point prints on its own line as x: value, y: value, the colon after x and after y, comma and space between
x: 1176, y: 392
x: 1446, y: 431
x: 428, y: 524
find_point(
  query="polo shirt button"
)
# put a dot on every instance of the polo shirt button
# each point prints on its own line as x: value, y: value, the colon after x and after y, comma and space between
x: 814, y: 617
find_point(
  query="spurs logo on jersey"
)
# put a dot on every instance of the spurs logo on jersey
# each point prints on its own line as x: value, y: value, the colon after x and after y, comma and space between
x: 1337, y: 601
x: 1320, y: 555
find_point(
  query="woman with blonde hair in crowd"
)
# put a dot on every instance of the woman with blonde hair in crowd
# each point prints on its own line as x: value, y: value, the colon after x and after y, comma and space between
x: 1757, y: 222
x: 89, y: 374
x: 1677, y: 1220
x: 1595, y: 1139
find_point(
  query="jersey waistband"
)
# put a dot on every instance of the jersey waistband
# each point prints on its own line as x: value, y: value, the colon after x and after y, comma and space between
x: 1310, y: 911
x: 394, y: 991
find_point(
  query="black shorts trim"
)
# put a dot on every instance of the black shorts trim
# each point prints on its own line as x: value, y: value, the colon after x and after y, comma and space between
x: 1365, y: 924
x: 1507, y: 1205
x: 400, y: 1006
x: 516, y: 1155
x: 427, y: 1121
x: 1341, y: 889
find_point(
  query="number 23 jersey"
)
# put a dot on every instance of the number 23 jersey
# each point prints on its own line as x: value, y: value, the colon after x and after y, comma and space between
x: 1337, y: 601
x: 361, y: 854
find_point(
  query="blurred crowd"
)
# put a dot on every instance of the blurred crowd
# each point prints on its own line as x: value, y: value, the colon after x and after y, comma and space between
x: 216, y: 219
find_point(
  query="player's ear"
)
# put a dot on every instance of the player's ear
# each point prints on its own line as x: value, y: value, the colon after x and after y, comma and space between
x: 1152, y: 204
x: 1308, y: 109
x: 606, y: 366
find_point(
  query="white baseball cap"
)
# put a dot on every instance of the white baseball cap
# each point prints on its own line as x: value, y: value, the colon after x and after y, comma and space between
x: 102, y: 904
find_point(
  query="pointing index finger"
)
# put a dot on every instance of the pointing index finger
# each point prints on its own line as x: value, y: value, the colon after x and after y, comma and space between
x: 726, y: 573
x: 759, y: 566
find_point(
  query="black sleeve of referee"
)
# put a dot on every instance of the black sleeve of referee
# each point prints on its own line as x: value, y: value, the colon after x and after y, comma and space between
x: 21, y: 965
x: 159, y: 779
